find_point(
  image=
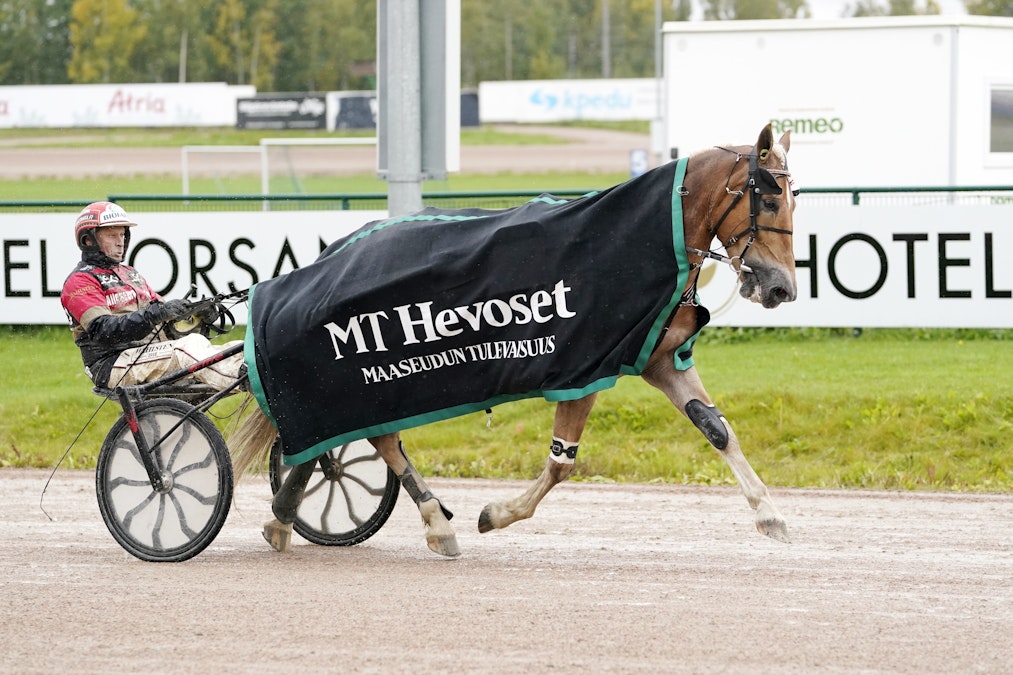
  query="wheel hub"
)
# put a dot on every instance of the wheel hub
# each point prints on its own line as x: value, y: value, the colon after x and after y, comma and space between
x: 167, y: 482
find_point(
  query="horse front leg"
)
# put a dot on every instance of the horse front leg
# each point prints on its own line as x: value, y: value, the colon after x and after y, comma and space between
x: 440, y: 535
x: 571, y: 416
x: 686, y: 391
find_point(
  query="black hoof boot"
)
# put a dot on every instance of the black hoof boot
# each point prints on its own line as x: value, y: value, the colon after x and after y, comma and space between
x: 289, y: 496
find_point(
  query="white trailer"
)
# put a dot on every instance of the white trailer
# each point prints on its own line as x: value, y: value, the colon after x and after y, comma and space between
x: 871, y: 102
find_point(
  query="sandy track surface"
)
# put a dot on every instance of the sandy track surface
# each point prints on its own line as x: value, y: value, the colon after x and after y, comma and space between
x: 583, y: 150
x: 605, y: 578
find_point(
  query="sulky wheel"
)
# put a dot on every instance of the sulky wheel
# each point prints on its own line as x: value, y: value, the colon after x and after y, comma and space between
x: 348, y: 498
x: 179, y: 521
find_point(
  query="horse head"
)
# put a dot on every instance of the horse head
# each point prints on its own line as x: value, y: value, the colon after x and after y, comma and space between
x: 750, y: 212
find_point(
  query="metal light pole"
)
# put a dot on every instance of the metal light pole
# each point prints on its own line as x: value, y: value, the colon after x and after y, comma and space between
x: 606, y: 41
x: 658, y: 123
x: 402, y: 108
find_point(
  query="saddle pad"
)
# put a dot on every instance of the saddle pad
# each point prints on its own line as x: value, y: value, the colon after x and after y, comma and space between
x: 441, y: 313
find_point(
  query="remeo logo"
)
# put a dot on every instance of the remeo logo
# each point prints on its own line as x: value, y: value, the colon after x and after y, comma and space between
x: 805, y: 125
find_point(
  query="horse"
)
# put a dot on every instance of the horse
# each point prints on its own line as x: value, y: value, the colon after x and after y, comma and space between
x: 741, y: 196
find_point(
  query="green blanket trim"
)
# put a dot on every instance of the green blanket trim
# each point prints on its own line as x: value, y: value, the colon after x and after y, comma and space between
x: 553, y: 396
x: 250, y: 357
x: 402, y: 219
x: 679, y: 249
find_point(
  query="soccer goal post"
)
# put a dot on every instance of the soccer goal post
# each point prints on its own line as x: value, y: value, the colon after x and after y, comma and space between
x: 226, y: 162
x: 293, y: 172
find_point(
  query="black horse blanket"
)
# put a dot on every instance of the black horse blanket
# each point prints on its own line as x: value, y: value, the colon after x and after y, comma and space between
x: 445, y: 312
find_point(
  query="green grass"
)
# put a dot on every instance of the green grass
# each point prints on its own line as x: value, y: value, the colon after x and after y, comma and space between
x: 86, y: 190
x: 893, y: 409
x: 46, y: 399
x: 170, y: 137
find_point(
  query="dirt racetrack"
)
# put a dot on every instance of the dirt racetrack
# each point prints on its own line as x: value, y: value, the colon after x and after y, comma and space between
x: 604, y: 578
x: 581, y: 149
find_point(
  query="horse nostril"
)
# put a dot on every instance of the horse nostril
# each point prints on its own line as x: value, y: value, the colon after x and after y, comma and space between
x: 781, y: 294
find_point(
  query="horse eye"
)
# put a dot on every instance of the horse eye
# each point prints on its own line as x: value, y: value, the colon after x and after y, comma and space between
x: 794, y: 193
x: 770, y: 204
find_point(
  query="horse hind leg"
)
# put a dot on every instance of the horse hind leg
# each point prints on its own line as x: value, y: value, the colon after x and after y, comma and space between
x: 440, y: 535
x: 558, y: 468
x: 571, y: 416
x: 285, y: 505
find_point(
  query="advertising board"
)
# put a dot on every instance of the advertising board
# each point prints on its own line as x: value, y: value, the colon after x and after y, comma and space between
x: 282, y: 111
x: 196, y: 104
x: 861, y: 266
x: 219, y: 252
x: 530, y: 101
x: 888, y: 267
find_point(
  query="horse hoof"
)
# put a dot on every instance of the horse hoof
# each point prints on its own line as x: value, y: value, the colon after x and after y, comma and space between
x: 278, y: 535
x: 770, y: 522
x: 775, y: 529
x: 485, y: 521
x: 444, y: 545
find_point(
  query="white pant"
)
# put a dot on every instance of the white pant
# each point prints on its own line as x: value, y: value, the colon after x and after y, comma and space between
x: 144, y: 364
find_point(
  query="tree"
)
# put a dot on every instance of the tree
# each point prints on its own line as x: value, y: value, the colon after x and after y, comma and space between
x: 34, y: 48
x: 755, y: 9
x: 989, y: 7
x: 516, y: 39
x: 174, y: 28
x: 264, y: 47
x: 330, y: 45
x: 321, y: 45
x: 633, y: 38
x: 103, y: 37
x: 539, y: 57
x: 227, y: 40
x: 243, y: 44
x: 892, y: 8
x: 19, y: 22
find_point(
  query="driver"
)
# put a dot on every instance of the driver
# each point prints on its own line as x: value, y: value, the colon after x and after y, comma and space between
x: 122, y: 326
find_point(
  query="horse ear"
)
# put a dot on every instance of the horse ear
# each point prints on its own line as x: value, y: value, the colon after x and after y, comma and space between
x: 785, y: 141
x: 764, y: 142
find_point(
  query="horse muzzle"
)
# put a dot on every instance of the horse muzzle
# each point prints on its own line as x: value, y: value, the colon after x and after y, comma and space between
x: 768, y: 286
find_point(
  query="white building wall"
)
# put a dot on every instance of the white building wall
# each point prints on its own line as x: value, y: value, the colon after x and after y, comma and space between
x: 891, y: 101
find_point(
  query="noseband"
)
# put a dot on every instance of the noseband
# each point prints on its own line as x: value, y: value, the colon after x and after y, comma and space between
x: 759, y: 182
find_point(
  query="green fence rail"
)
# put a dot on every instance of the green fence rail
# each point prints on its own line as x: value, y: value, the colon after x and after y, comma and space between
x: 927, y: 196
x: 855, y: 196
x: 288, y: 202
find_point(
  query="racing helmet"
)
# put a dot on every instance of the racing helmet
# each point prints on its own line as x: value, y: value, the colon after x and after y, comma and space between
x: 96, y: 215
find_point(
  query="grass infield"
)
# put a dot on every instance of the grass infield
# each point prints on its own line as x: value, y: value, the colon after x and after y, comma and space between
x: 890, y: 409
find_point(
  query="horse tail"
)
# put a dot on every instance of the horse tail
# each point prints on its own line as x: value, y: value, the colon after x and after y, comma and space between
x: 251, y: 440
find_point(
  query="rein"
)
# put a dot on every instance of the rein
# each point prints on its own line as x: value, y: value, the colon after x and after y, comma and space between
x: 759, y: 182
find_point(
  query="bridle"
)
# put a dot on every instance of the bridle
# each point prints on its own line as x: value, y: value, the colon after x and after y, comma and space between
x: 759, y: 182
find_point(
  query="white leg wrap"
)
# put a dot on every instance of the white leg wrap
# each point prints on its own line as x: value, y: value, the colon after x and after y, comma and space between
x: 562, y: 451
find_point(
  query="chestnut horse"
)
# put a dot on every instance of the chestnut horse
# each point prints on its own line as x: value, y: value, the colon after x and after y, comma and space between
x: 741, y: 196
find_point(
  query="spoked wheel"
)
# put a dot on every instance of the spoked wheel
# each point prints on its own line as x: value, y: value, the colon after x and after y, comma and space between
x: 349, y: 497
x: 179, y: 521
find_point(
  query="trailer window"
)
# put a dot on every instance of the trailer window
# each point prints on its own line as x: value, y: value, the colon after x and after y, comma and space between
x: 1001, y: 126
